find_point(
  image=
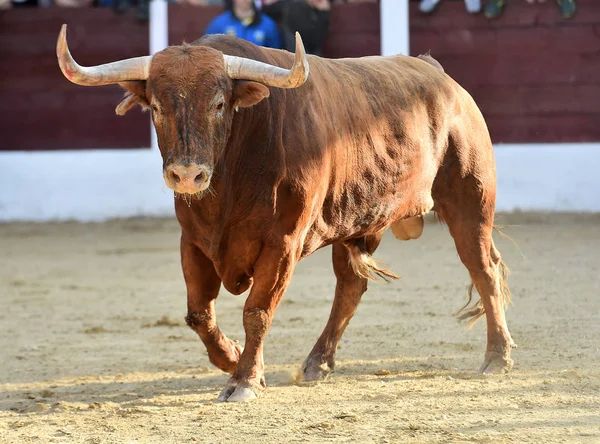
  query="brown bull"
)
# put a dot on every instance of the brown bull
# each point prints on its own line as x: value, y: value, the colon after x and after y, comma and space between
x: 269, y: 165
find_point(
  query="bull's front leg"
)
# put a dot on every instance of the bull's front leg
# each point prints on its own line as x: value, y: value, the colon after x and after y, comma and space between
x: 203, y: 286
x: 272, y: 274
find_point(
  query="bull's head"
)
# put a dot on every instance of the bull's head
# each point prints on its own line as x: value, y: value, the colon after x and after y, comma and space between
x: 193, y: 93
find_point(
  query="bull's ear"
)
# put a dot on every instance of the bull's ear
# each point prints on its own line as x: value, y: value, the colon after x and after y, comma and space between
x: 135, y: 94
x: 246, y: 94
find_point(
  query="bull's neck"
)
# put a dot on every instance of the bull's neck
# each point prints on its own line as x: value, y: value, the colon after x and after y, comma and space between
x: 243, y: 182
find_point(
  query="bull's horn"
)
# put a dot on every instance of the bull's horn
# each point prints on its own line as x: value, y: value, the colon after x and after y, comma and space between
x: 130, y: 69
x: 248, y: 69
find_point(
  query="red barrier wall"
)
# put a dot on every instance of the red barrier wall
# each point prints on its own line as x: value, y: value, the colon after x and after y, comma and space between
x: 535, y: 76
x: 40, y: 109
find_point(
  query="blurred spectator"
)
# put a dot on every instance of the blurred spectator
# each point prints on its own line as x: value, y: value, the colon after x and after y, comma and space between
x: 6, y: 4
x: 203, y: 2
x: 493, y: 8
x: 20, y: 3
x: 242, y: 19
x: 428, y: 6
x: 308, y: 17
x: 143, y: 10
x: 73, y: 3
x: 120, y: 6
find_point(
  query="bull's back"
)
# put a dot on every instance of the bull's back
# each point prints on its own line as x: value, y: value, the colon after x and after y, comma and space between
x: 382, y: 126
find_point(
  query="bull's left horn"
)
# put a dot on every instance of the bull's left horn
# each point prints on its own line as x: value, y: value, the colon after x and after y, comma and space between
x: 248, y: 69
x: 129, y: 69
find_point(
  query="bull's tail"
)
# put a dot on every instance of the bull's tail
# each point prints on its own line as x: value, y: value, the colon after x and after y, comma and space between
x: 477, y: 310
x: 365, y: 266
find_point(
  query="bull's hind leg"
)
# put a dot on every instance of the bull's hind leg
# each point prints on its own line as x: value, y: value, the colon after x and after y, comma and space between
x: 470, y: 224
x: 349, y: 289
x: 203, y: 286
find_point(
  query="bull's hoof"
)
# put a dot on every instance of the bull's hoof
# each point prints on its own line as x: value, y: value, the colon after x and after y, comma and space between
x: 496, y: 363
x: 225, y: 394
x: 313, y: 370
x: 238, y: 392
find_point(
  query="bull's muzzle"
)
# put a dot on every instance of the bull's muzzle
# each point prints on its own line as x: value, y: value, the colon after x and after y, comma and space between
x: 188, y: 179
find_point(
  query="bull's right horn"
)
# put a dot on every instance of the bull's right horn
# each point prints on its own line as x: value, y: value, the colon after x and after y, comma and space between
x: 248, y: 69
x: 129, y: 69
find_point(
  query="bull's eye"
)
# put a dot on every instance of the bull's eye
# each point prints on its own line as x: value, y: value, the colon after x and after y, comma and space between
x: 154, y: 108
x: 219, y: 107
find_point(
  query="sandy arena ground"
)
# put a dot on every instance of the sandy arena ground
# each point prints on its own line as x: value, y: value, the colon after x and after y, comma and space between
x: 94, y: 348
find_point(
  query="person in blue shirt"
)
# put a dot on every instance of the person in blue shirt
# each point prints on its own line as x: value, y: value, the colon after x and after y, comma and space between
x: 243, y: 20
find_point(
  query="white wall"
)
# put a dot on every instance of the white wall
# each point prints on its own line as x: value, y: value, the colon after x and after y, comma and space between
x: 82, y: 185
x: 96, y: 185
x: 548, y: 177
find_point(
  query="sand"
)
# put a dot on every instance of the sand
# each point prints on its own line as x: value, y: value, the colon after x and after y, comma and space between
x: 94, y: 348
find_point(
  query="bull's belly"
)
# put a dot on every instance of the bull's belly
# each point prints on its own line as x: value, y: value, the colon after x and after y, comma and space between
x: 375, y: 215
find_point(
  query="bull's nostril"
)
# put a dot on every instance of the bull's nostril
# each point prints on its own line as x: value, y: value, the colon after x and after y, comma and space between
x: 186, y: 178
x: 201, y: 178
x: 174, y: 177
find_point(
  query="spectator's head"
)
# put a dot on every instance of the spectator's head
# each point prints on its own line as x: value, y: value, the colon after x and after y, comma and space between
x: 243, y: 4
x: 243, y: 9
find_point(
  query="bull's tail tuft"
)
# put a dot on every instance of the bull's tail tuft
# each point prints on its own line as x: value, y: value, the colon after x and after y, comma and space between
x: 477, y: 310
x: 365, y: 266
x: 506, y: 295
x: 473, y: 313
